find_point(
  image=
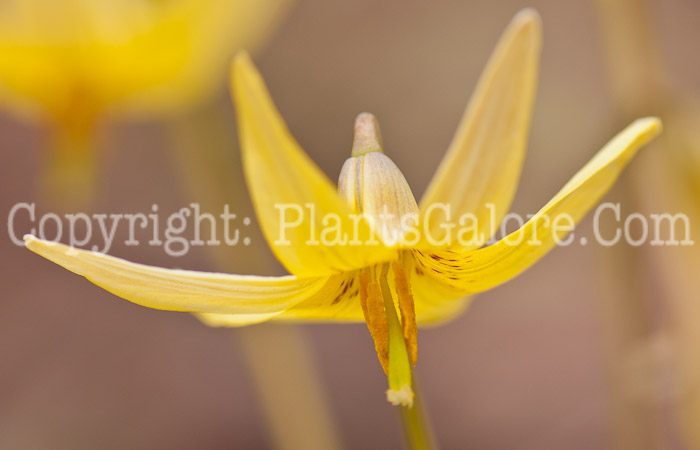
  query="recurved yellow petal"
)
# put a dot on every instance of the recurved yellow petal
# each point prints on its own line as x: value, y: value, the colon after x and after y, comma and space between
x: 435, y: 301
x: 484, y: 161
x: 482, y: 269
x: 234, y: 320
x: 294, y: 201
x: 180, y: 290
x: 336, y: 301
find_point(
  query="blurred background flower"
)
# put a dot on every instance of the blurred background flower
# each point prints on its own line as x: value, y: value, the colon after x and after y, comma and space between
x: 527, y: 365
x: 69, y: 65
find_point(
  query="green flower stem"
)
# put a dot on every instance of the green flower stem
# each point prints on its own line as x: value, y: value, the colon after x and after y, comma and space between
x: 416, y: 426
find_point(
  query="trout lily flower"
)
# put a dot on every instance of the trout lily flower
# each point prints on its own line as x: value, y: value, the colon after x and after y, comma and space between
x: 68, y: 64
x: 387, y: 274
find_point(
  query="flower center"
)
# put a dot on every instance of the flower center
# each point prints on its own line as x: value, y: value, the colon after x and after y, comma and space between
x: 372, y: 185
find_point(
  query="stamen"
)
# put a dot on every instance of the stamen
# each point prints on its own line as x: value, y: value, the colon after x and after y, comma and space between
x: 393, y: 339
x: 408, y: 311
x: 375, y: 316
x: 364, y: 282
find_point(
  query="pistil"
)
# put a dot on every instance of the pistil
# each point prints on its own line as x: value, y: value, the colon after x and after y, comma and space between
x: 400, y: 391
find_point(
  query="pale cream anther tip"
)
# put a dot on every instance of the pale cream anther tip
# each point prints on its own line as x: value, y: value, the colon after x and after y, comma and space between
x: 401, y: 397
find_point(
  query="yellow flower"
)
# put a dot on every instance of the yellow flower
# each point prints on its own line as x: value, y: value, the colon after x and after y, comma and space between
x: 69, y: 63
x: 392, y: 277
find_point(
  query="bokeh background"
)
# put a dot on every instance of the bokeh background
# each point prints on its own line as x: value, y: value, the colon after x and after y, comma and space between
x: 534, y: 364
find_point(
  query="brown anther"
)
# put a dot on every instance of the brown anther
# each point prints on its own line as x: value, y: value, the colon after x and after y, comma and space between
x: 375, y: 316
x: 364, y: 282
x: 408, y: 311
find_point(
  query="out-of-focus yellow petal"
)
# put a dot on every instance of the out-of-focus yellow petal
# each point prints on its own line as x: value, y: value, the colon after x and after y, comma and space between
x: 180, y: 290
x: 482, y: 269
x: 484, y: 161
x: 135, y: 57
x: 201, y: 37
x: 292, y: 197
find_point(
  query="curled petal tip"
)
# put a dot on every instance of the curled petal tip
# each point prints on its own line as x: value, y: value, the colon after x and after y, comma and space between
x: 28, y: 239
x: 528, y: 17
x: 528, y: 24
x: 654, y: 123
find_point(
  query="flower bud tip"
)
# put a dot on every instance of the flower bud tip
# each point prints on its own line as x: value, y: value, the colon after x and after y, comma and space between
x: 367, y: 138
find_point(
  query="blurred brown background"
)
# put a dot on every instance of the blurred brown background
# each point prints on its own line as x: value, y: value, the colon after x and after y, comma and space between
x: 523, y: 368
